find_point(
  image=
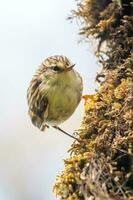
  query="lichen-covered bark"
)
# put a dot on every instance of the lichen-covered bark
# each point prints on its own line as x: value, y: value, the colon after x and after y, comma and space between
x: 100, y: 167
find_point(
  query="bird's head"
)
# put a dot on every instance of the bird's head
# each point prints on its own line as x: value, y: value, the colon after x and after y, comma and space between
x: 57, y: 65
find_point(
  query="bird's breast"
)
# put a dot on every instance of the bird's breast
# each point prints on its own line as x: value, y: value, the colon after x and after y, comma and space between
x: 63, y: 99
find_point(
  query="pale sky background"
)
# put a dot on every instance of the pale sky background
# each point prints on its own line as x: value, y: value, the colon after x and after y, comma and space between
x: 31, y: 30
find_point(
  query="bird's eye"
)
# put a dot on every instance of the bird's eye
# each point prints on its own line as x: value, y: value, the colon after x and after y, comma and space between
x: 56, y: 68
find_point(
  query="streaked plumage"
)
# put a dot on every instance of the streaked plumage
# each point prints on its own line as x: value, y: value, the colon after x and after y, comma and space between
x: 54, y: 92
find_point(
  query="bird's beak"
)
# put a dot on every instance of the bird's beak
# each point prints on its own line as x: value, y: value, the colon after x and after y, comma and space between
x: 69, y: 68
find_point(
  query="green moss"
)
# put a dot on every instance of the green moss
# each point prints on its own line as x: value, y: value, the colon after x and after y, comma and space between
x: 101, y: 165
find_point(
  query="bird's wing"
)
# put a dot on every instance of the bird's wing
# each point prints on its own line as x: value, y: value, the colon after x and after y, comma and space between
x: 38, y: 103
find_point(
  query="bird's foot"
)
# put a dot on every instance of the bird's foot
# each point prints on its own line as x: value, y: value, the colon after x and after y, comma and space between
x: 43, y: 127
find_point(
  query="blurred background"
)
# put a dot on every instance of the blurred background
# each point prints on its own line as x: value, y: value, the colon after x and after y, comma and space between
x: 30, y: 31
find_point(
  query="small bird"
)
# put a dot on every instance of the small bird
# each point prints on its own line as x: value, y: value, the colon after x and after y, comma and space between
x: 54, y: 92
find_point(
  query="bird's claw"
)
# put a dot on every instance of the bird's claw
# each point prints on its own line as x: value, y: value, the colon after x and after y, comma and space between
x: 43, y: 127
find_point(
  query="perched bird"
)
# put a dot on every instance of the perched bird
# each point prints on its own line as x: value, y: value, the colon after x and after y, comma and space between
x: 54, y: 92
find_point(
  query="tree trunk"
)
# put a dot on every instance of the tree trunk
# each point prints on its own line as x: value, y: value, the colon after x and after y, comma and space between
x: 100, y: 167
